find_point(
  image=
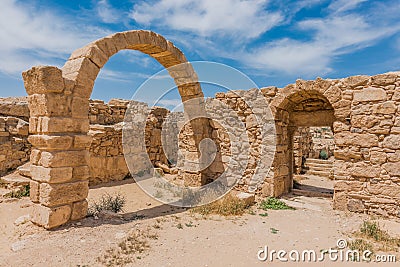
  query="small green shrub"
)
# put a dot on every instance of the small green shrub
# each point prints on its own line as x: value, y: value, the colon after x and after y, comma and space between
x: 107, y: 203
x: 323, y: 154
x: 360, y: 245
x: 271, y: 203
x: 19, y: 193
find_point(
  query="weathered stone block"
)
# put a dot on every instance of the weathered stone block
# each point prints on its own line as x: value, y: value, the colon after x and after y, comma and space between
x: 82, y: 172
x: 378, y: 157
x: 355, y: 139
x: 382, y: 189
x: 64, y: 158
x: 82, y: 141
x: 58, y: 194
x: 34, y: 191
x: 79, y: 210
x: 51, y: 142
x: 80, y: 107
x: 393, y: 168
x: 392, y: 141
x: 50, y: 217
x: 355, y: 205
x: 388, y: 107
x: 370, y: 94
x: 62, y: 125
x: 43, y: 79
x: 93, y: 52
x: 362, y: 169
x: 51, y: 175
x: 50, y: 104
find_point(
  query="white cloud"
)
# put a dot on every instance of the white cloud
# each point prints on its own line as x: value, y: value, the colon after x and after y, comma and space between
x: 106, y: 12
x: 331, y: 37
x: 344, y: 5
x: 31, y: 36
x: 210, y: 18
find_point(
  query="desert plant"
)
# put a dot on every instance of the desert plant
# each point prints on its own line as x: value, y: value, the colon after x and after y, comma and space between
x: 323, y: 154
x: 24, y: 191
x: 360, y: 245
x: 107, y: 203
x: 229, y: 205
x: 271, y: 203
x: 382, y: 240
x: 135, y: 244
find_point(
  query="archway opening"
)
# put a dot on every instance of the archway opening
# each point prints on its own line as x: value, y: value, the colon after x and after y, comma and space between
x: 310, y: 144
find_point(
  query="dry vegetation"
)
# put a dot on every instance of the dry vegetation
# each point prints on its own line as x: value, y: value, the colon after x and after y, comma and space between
x: 130, y: 249
x: 372, y: 237
x: 229, y: 205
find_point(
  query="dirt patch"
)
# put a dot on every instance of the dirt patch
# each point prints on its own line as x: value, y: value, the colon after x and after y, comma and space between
x: 173, y: 236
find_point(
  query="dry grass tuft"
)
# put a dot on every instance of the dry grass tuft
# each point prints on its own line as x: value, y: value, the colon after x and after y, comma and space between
x: 130, y: 249
x: 229, y: 205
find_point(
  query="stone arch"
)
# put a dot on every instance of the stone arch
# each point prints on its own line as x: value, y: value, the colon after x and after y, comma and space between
x: 59, y: 101
x: 305, y: 103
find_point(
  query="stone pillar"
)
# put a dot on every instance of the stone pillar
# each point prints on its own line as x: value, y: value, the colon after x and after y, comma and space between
x: 58, y: 126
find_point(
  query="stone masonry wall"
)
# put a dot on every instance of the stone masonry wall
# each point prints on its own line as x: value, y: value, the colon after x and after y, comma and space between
x: 14, y: 146
x: 302, y: 144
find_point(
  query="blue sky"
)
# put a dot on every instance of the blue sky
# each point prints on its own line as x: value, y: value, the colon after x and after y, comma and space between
x: 273, y: 42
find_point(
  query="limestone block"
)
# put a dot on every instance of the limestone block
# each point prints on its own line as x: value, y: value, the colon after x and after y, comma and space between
x: 355, y: 81
x: 382, y: 189
x: 355, y: 205
x: 79, y: 210
x: 333, y: 94
x: 349, y: 186
x: 58, y: 194
x: 35, y: 156
x: 62, y: 125
x: 364, y: 170
x: 393, y: 168
x: 339, y: 126
x: 392, y: 141
x: 107, y: 46
x: 34, y: 191
x: 81, y: 173
x: 50, y: 217
x: 378, y: 157
x: 384, y: 79
x: 93, y: 52
x: 50, y: 104
x: 64, y: 158
x: 43, y: 79
x: 83, y: 72
x: 82, y: 141
x: 355, y: 139
x: 370, y: 94
x: 388, y: 107
x: 51, y: 142
x: 340, y: 201
x: 80, y: 107
x: 51, y: 175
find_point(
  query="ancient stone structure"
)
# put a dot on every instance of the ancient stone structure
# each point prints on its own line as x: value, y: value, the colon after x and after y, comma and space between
x: 59, y: 101
x: 363, y: 112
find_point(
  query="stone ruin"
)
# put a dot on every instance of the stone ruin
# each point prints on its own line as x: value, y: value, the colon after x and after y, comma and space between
x: 362, y: 111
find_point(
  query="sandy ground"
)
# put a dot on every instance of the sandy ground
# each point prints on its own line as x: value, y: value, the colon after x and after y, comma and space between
x: 181, y: 238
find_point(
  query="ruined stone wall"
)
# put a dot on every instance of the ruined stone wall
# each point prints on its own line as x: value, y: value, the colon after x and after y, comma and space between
x: 108, y: 113
x: 302, y: 145
x: 321, y: 139
x: 367, y: 154
x: 107, y: 160
x: 14, y: 146
x: 14, y: 107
